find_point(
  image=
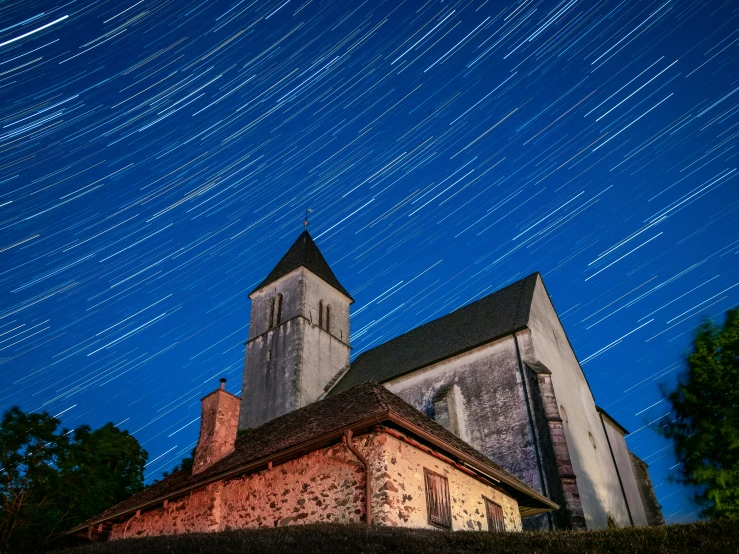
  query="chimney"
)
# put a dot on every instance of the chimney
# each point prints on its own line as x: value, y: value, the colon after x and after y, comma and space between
x: 219, y: 422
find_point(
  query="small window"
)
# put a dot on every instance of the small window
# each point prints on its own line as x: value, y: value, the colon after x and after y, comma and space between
x: 278, y: 317
x: 271, y: 313
x: 320, y: 314
x: 328, y: 318
x: 437, y: 500
x: 446, y: 409
x: 496, y: 523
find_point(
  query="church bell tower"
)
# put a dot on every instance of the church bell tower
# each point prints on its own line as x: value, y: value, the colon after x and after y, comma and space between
x: 298, y: 335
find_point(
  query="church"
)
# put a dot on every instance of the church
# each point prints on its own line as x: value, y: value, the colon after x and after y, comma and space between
x: 479, y: 420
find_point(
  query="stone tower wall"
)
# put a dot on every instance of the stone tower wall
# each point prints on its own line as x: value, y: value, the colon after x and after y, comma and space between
x: 287, y: 365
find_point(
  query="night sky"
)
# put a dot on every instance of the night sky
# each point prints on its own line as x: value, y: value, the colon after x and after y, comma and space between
x: 157, y: 158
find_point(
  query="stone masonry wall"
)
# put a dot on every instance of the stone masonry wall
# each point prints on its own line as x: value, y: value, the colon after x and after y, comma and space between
x: 492, y: 404
x: 218, y: 426
x: 402, y: 491
x: 327, y: 485
x: 324, y: 486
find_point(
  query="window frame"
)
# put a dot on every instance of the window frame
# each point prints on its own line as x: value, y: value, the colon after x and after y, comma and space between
x: 444, y: 519
x: 494, y: 525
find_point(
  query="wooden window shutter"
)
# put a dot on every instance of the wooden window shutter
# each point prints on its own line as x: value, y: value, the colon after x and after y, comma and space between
x: 437, y: 500
x: 495, y: 516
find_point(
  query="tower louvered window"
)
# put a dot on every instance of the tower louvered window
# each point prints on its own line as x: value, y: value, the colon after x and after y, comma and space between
x: 271, y: 313
x: 275, y: 311
x: 437, y: 500
x: 278, y: 316
x: 324, y: 316
x: 495, y: 516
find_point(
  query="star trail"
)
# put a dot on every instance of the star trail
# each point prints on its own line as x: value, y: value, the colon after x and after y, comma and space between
x: 157, y: 158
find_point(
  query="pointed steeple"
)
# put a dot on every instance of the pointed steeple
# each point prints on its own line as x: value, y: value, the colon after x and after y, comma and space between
x: 304, y: 253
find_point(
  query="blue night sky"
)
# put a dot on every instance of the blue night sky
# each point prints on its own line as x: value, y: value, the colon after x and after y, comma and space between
x: 157, y: 156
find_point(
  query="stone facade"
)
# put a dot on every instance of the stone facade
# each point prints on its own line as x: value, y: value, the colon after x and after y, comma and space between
x: 295, y: 347
x: 218, y: 427
x: 524, y: 402
x: 328, y: 485
x: 402, y: 495
x: 652, y: 509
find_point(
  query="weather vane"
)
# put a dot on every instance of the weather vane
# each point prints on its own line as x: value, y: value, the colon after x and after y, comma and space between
x: 305, y: 222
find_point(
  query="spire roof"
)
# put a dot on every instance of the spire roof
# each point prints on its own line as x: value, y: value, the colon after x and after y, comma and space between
x: 304, y: 253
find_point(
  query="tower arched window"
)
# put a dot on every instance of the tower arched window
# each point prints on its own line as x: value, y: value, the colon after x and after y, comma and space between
x: 328, y: 318
x: 320, y: 314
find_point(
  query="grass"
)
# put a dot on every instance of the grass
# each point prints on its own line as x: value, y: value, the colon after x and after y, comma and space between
x: 713, y: 537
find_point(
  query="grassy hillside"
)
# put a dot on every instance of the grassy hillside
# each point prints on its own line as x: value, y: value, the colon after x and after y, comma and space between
x: 699, y: 538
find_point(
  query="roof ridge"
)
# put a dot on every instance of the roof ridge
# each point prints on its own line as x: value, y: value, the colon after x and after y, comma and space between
x: 491, y: 317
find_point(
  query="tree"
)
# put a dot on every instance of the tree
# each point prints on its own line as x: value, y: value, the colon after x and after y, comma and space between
x: 705, y: 420
x: 52, y: 479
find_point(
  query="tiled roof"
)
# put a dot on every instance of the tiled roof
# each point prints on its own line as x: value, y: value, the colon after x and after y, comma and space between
x: 313, y: 427
x: 493, y: 316
x: 304, y: 253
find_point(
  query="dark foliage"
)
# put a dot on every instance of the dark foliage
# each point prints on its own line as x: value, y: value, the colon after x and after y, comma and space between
x: 716, y: 537
x: 705, y: 420
x: 51, y: 479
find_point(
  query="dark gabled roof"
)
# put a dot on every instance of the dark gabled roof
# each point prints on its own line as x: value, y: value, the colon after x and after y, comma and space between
x: 315, y: 426
x: 492, y: 317
x: 304, y: 253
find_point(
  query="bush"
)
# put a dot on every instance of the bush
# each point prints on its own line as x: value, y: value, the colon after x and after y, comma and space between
x: 721, y: 536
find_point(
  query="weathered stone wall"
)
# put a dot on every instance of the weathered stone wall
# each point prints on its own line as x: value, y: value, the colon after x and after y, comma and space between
x: 219, y: 422
x: 327, y: 485
x: 545, y: 341
x: 493, y: 404
x: 324, y: 356
x: 652, y: 509
x: 402, y: 491
x: 288, y: 366
x: 271, y: 383
x: 623, y: 463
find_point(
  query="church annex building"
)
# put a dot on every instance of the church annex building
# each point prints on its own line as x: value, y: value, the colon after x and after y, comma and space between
x: 479, y: 420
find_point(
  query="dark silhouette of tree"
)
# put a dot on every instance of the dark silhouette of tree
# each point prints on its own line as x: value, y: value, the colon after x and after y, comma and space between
x: 52, y: 479
x: 705, y: 420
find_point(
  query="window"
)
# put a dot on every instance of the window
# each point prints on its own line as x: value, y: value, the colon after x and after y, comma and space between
x: 437, y: 500
x: 275, y: 311
x: 278, y: 317
x: 496, y: 522
x: 324, y: 319
x: 446, y: 409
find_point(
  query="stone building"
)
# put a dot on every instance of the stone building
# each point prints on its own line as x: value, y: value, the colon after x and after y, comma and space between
x: 362, y: 451
x: 482, y: 419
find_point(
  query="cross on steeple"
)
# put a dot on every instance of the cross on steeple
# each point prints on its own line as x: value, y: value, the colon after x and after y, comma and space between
x: 305, y: 221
